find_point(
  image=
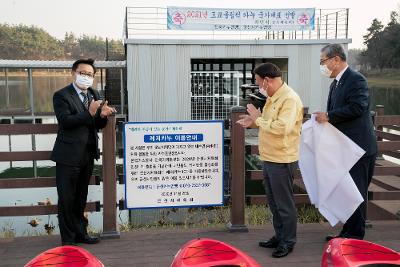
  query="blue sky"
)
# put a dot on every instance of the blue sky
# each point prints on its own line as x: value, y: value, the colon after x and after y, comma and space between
x: 106, y: 18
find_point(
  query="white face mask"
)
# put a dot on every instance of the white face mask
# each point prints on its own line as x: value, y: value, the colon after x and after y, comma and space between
x: 266, y: 88
x: 262, y: 91
x: 325, y: 71
x: 83, y: 81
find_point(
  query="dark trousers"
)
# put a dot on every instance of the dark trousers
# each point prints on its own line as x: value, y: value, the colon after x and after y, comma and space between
x: 278, y: 178
x: 72, y: 188
x: 361, y: 173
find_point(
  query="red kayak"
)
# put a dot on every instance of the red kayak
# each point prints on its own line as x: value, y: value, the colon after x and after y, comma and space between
x: 203, y: 252
x: 344, y: 252
x: 65, y: 256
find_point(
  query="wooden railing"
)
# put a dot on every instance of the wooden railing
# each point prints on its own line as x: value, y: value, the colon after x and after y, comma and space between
x: 109, y: 177
x: 391, y: 147
x: 239, y: 150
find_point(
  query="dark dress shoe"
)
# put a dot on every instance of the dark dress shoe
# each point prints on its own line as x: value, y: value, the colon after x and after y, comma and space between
x: 272, y: 243
x: 88, y: 240
x: 281, y: 251
x: 330, y: 237
x: 67, y: 243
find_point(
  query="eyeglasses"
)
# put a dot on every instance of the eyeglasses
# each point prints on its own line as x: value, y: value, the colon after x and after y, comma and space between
x: 90, y: 75
x: 323, y: 60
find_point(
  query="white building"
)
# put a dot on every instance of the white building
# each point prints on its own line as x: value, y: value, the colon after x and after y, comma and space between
x: 160, y: 62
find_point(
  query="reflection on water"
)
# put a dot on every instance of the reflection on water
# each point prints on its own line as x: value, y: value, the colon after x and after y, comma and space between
x: 389, y: 97
x: 31, y: 196
x: 15, y: 96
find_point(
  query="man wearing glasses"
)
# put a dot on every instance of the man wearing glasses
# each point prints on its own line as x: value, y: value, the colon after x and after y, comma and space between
x: 80, y: 115
x: 348, y: 111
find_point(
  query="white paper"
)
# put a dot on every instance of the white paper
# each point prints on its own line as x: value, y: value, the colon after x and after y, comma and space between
x: 326, y: 157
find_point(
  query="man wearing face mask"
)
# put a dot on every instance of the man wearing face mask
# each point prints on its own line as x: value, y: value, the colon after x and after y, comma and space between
x: 348, y: 110
x: 80, y: 114
x: 278, y: 144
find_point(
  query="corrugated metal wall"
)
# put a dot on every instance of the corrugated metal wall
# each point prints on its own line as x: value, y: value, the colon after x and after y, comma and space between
x: 158, y: 73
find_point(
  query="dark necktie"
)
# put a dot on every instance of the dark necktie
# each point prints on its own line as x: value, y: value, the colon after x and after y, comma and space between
x: 85, y: 99
x: 333, y: 84
x: 331, y: 89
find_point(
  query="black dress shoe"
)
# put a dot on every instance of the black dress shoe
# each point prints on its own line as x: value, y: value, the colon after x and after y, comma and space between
x: 330, y: 237
x: 67, y: 243
x: 88, y: 240
x: 272, y: 243
x: 281, y: 251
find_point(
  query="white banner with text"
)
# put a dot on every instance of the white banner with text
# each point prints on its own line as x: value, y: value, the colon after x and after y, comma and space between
x: 227, y: 19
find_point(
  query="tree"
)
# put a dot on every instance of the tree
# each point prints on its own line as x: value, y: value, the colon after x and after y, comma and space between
x: 353, y: 57
x: 71, y: 46
x: 93, y: 47
x: 28, y: 42
x: 373, y: 40
x: 383, y: 47
x: 392, y: 44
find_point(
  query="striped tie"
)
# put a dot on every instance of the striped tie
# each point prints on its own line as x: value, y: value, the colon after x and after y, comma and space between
x: 85, y: 100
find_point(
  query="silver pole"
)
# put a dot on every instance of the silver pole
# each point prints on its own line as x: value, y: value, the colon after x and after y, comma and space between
x: 101, y: 83
x: 122, y: 91
x: 7, y: 105
x: 7, y: 89
x: 34, y: 149
x: 31, y: 92
x: 9, y: 146
x: 33, y: 118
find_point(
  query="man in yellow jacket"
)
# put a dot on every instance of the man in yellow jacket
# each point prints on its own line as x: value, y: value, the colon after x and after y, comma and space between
x: 279, y: 138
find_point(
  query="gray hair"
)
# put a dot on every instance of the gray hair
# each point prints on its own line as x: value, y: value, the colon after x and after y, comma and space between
x: 332, y: 50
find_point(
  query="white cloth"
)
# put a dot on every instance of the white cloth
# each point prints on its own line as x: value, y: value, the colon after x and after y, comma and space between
x: 326, y: 157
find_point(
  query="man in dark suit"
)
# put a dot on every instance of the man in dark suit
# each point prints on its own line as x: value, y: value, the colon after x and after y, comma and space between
x: 348, y: 110
x: 80, y: 114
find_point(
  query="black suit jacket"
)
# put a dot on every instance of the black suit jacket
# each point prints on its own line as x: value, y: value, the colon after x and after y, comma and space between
x: 348, y: 110
x: 75, y: 127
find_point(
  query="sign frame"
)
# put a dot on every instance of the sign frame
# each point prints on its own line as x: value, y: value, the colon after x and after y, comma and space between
x: 222, y: 174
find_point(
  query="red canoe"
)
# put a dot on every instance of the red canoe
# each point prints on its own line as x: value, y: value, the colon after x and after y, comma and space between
x: 65, y: 256
x: 203, y: 252
x: 344, y: 252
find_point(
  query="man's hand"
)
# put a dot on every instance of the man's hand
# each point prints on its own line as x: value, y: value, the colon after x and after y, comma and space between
x: 254, y: 113
x: 321, y: 117
x: 94, y: 105
x: 245, y: 121
x: 106, y: 110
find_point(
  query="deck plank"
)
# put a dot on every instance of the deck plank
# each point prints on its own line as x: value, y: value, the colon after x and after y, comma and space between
x: 157, y: 247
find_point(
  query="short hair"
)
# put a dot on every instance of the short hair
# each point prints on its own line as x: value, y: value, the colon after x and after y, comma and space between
x: 267, y: 69
x: 332, y: 50
x: 88, y: 61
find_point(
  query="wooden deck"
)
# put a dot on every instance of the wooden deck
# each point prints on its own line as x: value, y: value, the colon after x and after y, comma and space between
x: 157, y: 247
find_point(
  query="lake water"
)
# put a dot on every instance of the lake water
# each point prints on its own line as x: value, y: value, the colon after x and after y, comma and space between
x: 17, y: 97
x: 31, y: 196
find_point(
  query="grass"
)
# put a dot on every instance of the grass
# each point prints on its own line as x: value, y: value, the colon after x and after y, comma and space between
x: 255, y: 215
x: 27, y: 172
x: 7, y: 230
x: 217, y: 217
x: 388, y: 78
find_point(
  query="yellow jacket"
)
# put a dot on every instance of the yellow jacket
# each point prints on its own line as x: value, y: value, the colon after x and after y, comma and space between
x: 280, y: 126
